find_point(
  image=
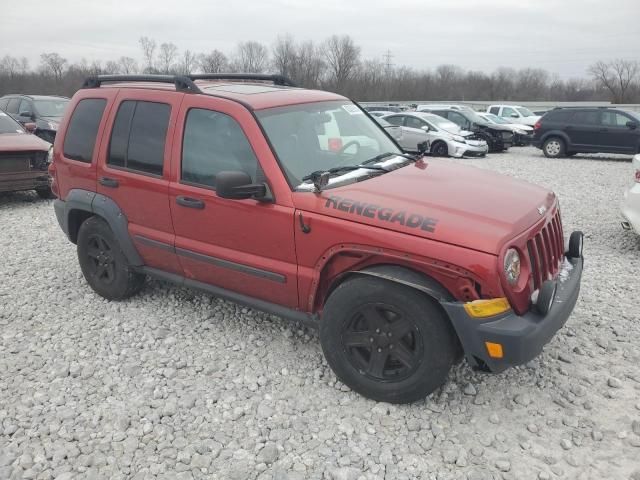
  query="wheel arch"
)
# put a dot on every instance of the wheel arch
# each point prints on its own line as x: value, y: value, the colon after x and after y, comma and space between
x: 556, y: 133
x: 79, y: 205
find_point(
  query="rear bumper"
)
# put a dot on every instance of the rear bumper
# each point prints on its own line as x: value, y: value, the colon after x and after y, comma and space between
x: 522, y: 336
x: 631, y: 207
x: 15, y: 182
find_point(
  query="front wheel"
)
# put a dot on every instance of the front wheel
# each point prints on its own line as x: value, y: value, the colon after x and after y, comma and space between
x: 439, y: 149
x: 103, y: 263
x: 553, y: 147
x: 386, y: 341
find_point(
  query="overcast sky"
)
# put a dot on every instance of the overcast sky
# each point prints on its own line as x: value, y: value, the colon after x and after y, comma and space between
x: 562, y: 36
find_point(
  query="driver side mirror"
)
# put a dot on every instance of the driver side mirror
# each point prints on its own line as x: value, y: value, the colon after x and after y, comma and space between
x: 30, y: 127
x: 632, y: 125
x: 236, y: 185
x: 514, y: 115
x: 425, y: 128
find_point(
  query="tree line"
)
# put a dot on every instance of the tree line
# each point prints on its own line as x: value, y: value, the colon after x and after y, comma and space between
x: 335, y: 64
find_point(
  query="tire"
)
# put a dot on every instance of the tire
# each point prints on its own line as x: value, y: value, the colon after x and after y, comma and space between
x: 103, y: 263
x: 553, y: 147
x: 439, y: 149
x: 399, y: 368
x: 45, y: 193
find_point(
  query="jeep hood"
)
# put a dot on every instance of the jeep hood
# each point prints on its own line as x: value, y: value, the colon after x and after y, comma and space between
x: 439, y: 200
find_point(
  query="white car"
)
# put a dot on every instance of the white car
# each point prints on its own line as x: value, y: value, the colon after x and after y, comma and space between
x: 378, y: 113
x: 426, y: 107
x: 522, y: 134
x: 631, y: 203
x: 445, y: 137
x: 515, y: 114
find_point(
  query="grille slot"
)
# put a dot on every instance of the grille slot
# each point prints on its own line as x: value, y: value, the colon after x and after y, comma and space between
x: 546, y: 249
x: 14, y: 163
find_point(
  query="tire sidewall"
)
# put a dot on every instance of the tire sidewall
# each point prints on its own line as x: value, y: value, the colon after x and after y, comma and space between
x: 440, y: 149
x: 560, y: 152
x: 437, y: 337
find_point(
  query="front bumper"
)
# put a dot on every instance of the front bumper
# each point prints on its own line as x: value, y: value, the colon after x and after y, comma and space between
x: 631, y: 207
x: 459, y: 150
x: 522, y: 336
x: 19, y: 181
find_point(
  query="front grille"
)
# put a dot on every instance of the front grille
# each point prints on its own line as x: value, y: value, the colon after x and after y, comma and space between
x: 12, y: 162
x: 546, y: 251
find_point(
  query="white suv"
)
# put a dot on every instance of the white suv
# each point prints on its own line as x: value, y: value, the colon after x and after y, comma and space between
x: 631, y: 203
x: 515, y: 114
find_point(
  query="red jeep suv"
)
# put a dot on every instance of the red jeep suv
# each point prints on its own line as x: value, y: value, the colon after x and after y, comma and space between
x: 298, y: 203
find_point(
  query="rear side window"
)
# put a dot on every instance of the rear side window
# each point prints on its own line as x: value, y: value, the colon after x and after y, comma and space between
x: 560, y: 116
x: 395, y: 120
x: 12, y: 106
x: 138, y: 136
x: 494, y: 110
x: 586, y: 117
x: 83, y: 128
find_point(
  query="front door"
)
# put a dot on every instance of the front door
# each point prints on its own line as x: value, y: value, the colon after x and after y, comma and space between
x: 133, y: 170
x: 583, y: 131
x: 615, y: 135
x: 244, y: 246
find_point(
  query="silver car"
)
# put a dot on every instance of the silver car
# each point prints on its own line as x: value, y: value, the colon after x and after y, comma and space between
x: 445, y: 137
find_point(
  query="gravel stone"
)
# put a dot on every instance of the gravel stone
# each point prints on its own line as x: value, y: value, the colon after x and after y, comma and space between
x: 176, y: 384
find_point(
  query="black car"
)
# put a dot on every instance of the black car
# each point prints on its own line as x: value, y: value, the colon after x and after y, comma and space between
x: 567, y: 131
x: 498, y: 137
x: 44, y: 111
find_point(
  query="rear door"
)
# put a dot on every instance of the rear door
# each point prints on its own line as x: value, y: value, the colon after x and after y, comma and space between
x: 584, y: 129
x: 411, y: 136
x: 243, y: 246
x: 614, y: 133
x: 134, y: 166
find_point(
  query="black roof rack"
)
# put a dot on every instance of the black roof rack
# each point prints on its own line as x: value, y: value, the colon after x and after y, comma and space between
x: 185, y: 83
x: 584, y: 106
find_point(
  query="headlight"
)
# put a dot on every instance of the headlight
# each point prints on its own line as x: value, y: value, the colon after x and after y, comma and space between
x: 459, y: 138
x: 512, y: 266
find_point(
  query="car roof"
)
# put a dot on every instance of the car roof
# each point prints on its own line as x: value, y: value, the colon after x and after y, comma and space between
x: 34, y: 97
x: 254, y: 95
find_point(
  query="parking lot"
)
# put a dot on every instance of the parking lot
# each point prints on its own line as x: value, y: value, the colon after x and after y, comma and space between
x: 178, y: 384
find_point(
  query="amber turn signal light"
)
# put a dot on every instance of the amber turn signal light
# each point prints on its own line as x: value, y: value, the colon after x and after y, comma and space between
x: 494, y: 349
x: 487, y: 308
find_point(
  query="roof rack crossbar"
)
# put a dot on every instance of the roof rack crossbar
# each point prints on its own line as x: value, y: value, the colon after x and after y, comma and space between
x: 280, y: 80
x: 182, y: 83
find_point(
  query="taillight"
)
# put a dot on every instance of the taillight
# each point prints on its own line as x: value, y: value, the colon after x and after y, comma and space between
x: 537, y: 126
x: 638, y: 176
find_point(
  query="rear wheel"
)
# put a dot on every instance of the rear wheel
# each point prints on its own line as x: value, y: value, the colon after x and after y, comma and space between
x: 553, y: 147
x: 103, y: 263
x: 386, y: 341
x: 439, y: 149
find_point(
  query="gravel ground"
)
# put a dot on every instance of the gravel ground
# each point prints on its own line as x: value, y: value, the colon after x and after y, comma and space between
x: 177, y: 384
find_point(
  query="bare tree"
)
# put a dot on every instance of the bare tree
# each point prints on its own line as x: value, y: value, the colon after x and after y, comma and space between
x: 342, y: 57
x: 284, y: 55
x: 251, y: 57
x: 112, y: 67
x: 53, y: 63
x: 616, y: 76
x: 188, y: 63
x: 310, y: 66
x: 148, y: 52
x: 10, y: 65
x: 214, y: 62
x: 127, y: 65
x: 166, y: 57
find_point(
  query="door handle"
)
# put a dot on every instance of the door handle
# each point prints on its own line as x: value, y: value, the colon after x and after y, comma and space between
x: 190, y: 202
x: 109, y: 182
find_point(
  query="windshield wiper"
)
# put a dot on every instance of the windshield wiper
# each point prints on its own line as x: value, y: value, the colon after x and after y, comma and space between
x: 344, y: 168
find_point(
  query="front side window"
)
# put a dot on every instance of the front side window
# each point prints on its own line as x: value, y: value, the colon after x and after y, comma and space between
x: 414, y: 122
x: 214, y: 142
x: 323, y: 135
x: 458, y: 119
x: 25, y: 107
x: 614, y: 119
x: 138, y: 136
x: 525, y: 112
x: 397, y: 120
x: 83, y: 128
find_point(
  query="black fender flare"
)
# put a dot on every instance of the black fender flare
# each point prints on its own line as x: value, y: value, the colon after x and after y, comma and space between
x: 105, y: 207
x: 409, y: 278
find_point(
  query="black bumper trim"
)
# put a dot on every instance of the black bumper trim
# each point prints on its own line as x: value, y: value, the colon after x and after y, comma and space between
x: 522, y: 336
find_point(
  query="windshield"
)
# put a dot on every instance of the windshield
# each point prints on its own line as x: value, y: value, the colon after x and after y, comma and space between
x: 9, y: 125
x: 51, y: 107
x: 496, y: 119
x: 525, y: 112
x: 474, y: 117
x: 319, y: 136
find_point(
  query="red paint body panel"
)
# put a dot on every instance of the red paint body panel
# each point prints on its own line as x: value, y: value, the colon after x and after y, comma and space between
x: 22, y: 142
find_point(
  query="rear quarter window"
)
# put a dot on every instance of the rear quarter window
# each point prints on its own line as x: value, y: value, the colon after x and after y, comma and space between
x: 80, y: 138
x: 561, y: 116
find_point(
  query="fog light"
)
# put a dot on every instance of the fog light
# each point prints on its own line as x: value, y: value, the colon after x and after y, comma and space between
x: 546, y: 296
x: 576, y: 241
x: 494, y: 349
x: 487, y: 308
